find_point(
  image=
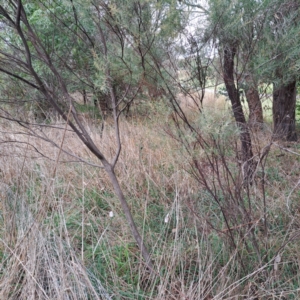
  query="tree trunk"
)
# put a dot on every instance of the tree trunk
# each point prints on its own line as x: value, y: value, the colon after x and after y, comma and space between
x: 255, y: 108
x: 128, y: 216
x: 234, y: 96
x: 84, y: 96
x: 284, y: 106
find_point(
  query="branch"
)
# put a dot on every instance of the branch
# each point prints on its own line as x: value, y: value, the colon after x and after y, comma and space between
x: 20, y: 78
x: 196, y: 6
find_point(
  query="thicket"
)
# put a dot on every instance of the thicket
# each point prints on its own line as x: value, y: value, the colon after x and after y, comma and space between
x: 124, y: 175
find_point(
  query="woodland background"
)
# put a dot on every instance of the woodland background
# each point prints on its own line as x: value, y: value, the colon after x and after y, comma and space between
x: 149, y: 149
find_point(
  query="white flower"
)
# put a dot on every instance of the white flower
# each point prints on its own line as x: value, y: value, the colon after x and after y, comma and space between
x: 167, y: 218
x: 276, y: 262
x: 111, y: 214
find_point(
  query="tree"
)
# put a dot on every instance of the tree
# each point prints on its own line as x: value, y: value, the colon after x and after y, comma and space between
x: 284, y: 106
x: 22, y: 50
x: 284, y: 59
x: 252, y: 95
x: 232, y: 28
x: 90, y: 45
x: 242, y: 22
x: 229, y: 53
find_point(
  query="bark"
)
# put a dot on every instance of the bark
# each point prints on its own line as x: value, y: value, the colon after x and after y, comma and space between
x: 234, y: 96
x: 284, y: 116
x: 255, y: 108
x: 84, y: 96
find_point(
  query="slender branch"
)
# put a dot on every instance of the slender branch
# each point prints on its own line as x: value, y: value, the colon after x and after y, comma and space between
x: 19, y: 78
x: 198, y: 6
x: 113, y: 100
x: 28, y: 36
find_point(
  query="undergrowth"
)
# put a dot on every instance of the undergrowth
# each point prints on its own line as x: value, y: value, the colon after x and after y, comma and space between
x: 64, y: 236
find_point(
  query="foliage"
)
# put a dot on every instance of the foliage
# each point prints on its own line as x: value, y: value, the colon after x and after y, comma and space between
x: 210, y: 234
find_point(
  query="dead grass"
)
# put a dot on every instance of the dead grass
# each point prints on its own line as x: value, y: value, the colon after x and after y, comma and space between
x: 58, y: 241
x: 209, y: 102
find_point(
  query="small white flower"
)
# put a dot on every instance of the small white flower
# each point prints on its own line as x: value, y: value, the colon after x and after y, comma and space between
x: 276, y: 262
x: 167, y: 218
x: 111, y: 214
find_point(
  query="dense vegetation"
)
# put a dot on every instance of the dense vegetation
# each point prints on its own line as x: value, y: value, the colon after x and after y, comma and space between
x: 149, y: 149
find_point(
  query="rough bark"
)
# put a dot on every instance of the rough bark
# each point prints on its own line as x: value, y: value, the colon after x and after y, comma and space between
x: 284, y: 106
x: 255, y: 108
x: 234, y: 96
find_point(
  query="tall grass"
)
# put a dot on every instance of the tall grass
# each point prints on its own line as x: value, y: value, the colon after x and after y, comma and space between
x: 64, y: 236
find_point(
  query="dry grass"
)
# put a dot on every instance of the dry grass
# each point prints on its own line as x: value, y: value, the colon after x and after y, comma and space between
x: 209, y: 101
x: 58, y: 241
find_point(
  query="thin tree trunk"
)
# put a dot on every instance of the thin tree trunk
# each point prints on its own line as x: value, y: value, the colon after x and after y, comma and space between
x: 234, y: 96
x: 128, y: 215
x: 28, y: 36
x: 84, y: 96
x: 284, y: 106
x: 216, y: 85
x: 256, y: 118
